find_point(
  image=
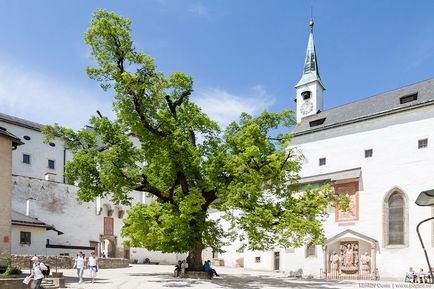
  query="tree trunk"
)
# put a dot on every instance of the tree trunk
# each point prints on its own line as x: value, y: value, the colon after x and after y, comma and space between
x: 194, y: 259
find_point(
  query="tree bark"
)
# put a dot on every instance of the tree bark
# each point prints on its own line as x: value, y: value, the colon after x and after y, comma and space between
x: 194, y: 259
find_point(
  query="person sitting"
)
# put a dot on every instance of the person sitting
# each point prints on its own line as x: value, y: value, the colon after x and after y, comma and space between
x: 421, y: 276
x: 213, y: 272
x: 177, y: 271
x: 410, y: 276
x: 184, y: 267
x: 207, y: 268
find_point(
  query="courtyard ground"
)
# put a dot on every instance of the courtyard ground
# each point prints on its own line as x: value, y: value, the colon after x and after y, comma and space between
x: 160, y: 276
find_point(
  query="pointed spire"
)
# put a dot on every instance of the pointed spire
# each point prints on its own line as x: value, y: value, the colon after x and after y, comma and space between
x: 310, y: 72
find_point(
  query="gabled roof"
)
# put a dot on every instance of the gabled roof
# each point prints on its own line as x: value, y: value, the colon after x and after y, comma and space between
x: 23, y: 220
x: 372, y: 107
x: 354, y: 233
x: 20, y: 122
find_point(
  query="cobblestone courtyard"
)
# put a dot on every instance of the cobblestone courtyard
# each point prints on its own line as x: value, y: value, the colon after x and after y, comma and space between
x: 159, y: 276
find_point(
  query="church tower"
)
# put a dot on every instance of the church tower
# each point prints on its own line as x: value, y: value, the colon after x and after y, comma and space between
x: 310, y: 88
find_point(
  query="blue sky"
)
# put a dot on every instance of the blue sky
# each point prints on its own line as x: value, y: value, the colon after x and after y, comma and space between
x: 244, y: 55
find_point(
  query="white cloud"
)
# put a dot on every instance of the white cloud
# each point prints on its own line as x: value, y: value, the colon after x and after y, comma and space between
x: 225, y: 107
x: 41, y: 98
x: 199, y: 9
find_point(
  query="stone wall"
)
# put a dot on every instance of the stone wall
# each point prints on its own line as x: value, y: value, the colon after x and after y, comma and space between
x: 66, y: 262
x: 12, y: 283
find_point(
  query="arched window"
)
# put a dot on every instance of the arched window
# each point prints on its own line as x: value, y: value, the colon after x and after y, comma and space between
x: 396, y: 219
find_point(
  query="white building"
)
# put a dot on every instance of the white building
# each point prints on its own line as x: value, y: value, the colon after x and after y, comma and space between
x: 379, y: 152
x: 46, y: 217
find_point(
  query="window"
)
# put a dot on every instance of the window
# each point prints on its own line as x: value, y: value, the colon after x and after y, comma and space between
x: 316, y: 122
x: 352, y: 191
x: 108, y: 226
x: 396, y: 219
x: 25, y: 238
x: 306, y: 95
x: 322, y: 161
x: 395, y: 225
x: 26, y: 137
x: 368, y: 153
x: 408, y: 98
x: 310, y: 250
x: 51, y: 164
x: 257, y: 259
x: 422, y: 143
x: 26, y: 159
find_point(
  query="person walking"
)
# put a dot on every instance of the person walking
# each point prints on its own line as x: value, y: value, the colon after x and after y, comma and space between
x: 93, y: 266
x: 79, y: 264
x: 37, y: 269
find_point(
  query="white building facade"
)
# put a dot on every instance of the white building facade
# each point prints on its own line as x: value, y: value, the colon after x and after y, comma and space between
x: 378, y: 151
x: 48, y: 218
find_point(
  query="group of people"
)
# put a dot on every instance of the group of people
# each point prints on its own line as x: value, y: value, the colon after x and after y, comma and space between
x: 418, y: 277
x: 182, y: 266
x: 207, y: 268
x: 81, y: 262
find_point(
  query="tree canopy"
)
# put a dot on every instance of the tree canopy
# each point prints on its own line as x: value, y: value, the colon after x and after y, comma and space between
x: 160, y: 142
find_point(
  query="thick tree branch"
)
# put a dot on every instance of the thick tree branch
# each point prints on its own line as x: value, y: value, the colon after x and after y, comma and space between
x: 146, y: 124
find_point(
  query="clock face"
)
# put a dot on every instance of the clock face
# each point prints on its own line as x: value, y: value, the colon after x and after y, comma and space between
x: 306, y: 107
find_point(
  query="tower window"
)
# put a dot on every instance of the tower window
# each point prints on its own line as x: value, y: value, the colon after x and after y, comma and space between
x: 322, y: 161
x: 306, y: 95
x: 408, y: 98
x: 26, y: 159
x: 422, y: 143
x: 368, y: 153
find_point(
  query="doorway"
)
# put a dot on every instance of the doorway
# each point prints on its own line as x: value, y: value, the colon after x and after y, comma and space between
x: 276, y: 261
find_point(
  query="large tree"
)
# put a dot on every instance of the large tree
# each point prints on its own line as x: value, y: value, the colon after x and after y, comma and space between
x: 160, y: 142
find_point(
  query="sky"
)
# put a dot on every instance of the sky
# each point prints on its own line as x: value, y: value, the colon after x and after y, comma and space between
x: 244, y: 55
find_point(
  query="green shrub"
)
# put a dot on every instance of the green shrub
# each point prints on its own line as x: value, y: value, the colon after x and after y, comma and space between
x: 11, y: 270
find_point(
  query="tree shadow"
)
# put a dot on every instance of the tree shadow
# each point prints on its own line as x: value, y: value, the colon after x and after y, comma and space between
x: 245, y: 281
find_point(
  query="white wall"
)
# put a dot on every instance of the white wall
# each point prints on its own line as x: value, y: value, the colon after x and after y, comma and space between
x: 140, y: 254
x: 396, y: 163
x: 38, y: 240
x: 39, y: 153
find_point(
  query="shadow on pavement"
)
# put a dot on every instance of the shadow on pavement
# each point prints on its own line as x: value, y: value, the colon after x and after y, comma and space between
x: 70, y: 280
x: 244, y: 282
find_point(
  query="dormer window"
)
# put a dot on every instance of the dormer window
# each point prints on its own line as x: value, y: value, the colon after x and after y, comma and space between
x: 316, y: 122
x: 408, y: 98
x: 306, y: 95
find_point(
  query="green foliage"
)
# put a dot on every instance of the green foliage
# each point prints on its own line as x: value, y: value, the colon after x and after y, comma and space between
x: 152, y: 146
x: 11, y: 270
